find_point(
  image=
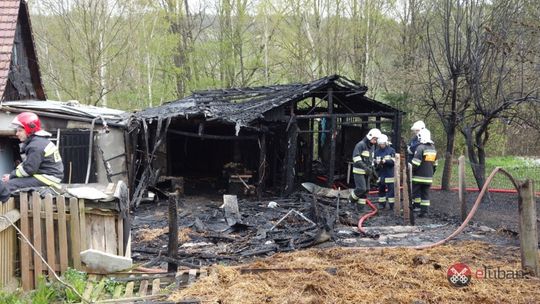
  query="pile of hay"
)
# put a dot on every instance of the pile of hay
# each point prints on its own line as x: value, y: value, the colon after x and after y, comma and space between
x: 367, y: 276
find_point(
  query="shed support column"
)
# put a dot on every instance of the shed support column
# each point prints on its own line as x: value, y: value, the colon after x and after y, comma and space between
x: 290, y: 172
x: 262, y: 165
x: 333, y: 128
x: 396, y: 138
x: 332, y: 164
x: 378, y: 122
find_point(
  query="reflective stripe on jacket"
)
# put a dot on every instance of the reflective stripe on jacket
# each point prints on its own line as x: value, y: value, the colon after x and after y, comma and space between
x: 362, y: 156
x: 424, y: 163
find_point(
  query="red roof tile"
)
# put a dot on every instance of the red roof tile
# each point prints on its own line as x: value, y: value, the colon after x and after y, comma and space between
x: 9, y: 10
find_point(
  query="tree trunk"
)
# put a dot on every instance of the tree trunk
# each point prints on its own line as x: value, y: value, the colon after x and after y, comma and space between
x: 448, y: 156
x: 477, y: 159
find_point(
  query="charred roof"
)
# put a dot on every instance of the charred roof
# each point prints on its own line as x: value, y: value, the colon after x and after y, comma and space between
x: 245, y: 106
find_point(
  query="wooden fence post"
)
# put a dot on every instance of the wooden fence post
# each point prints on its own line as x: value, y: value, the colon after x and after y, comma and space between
x: 461, y: 187
x: 528, y: 233
x: 26, y: 273
x: 36, y: 223
x: 397, y: 183
x: 406, y: 199
x: 173, y: 231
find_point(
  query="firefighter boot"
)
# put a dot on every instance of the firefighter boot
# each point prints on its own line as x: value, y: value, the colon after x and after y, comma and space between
x: 390, y: 206
x: 351, y: 200
x: 423, y: 211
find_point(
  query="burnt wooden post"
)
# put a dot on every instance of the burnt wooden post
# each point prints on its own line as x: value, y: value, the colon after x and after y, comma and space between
x: 292, y: 138
x: 396, y: 125
x: 172, y: 248
x: 461, y: 187
x: 397, y: 183
x: 332, y: 164
x: 262, y: 165
x: 310, y: 143
x: 333, y: 134
x: 528, y: 233
x: 378, y: 122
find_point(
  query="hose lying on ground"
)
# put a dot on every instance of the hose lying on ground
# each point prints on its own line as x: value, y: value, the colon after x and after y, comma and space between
x: 366, y: 216
x: 458, y: 230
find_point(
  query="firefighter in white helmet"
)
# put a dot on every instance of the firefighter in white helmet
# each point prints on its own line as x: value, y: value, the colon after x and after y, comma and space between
x: 413, y: 143
x: 363, y: 166
x: 411, y: 148
x: 424, y: 165
x: 384, y: 164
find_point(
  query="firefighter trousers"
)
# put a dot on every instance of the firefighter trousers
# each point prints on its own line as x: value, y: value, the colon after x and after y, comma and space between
x: 360, y: 191
x: 421, y: 193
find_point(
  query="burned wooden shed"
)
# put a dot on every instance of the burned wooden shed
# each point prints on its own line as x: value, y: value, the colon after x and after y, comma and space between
x: 268, y: 136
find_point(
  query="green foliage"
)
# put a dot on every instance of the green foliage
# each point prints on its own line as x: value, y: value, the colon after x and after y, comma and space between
x: 521, y: 168
x: 111, y: 285
x: 44, y: 293
x: 76, y: 279
x: 12, y: 298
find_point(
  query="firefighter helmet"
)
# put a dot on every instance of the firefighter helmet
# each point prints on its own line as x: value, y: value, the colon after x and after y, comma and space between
x: 28, y: 121
x: 418, y: 125
x: 383, y: 139
x: 373, y: 133
x: 424, y: 136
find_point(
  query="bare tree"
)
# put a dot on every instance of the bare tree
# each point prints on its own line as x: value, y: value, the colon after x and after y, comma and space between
x: 94, y: 35
x: 446, y: 46
x: 186, y: 24
x: 496, y: 78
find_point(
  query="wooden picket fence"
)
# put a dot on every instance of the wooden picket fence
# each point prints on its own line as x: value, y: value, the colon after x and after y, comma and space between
x: 8, y: 245
x: 54, y: 228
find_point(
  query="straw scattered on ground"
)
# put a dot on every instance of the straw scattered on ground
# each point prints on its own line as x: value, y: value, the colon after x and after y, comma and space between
x: 152, y: 234
x: 368, y: 276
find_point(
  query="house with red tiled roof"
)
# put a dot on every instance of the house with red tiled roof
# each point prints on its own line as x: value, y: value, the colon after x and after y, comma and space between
x: 20, y: 78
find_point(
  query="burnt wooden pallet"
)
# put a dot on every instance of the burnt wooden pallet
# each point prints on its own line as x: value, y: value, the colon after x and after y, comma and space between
x: 137, y: 287
x: 130, y: 289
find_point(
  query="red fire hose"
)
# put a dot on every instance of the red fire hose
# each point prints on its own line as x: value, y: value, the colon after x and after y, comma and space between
x: 366, y: 216
x: 476, y: 190
x: 458, y: 230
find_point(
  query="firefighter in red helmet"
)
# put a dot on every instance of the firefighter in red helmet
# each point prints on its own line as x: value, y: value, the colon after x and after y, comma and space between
x: 41, y: 162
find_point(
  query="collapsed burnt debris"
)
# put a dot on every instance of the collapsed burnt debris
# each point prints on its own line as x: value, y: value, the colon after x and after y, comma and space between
x: 280, y: 135
x: 206, y: 235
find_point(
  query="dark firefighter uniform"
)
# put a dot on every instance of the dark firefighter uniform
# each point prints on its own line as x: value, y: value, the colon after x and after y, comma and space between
x: 362, y: 166
x: 384, y: 160
x: 41, y: 165
x: 424, y: 164
x: 411, y: 147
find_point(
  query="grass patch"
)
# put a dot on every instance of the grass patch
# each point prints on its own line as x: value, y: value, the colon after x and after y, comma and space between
x: 521, y: 168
